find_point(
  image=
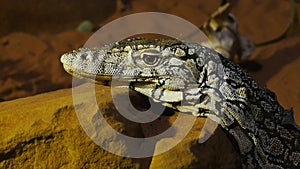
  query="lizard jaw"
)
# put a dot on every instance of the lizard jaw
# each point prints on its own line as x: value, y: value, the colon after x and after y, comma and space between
x: 103, y: 79
x: 106, y: 79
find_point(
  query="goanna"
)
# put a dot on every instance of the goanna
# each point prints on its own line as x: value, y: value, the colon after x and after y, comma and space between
x: 192, y: 78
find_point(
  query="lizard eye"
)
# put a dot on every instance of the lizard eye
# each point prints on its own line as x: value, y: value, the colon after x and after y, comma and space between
x: 149, y: 59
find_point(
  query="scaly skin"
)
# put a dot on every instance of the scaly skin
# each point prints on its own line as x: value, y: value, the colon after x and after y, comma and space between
x: 170, y: 71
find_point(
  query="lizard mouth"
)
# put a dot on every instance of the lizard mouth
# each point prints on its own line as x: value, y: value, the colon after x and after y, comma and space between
x: 107, y: 79
x: 85, y: 75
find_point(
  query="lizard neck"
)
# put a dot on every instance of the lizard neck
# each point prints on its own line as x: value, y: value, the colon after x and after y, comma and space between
x: 266, y: 133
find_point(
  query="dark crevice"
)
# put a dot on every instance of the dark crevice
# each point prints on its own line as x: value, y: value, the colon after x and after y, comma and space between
x: 19, y: 148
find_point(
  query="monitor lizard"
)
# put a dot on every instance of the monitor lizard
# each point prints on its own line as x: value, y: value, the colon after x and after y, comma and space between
x: 172, y: 71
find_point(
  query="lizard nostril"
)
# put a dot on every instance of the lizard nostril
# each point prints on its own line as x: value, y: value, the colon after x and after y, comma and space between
x: 84, y: 56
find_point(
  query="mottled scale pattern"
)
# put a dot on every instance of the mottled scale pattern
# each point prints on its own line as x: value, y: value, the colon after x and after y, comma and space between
x: 192, y: 78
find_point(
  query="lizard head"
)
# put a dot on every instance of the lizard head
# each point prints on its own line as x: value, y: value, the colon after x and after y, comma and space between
x: 157, y: 63
x: 168, y: 71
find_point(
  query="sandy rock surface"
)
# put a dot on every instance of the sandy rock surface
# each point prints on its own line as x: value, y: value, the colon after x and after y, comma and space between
x: 50, y: 136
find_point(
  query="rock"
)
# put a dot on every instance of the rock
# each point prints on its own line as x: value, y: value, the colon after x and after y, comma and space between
x: 287, y: 91
x: 50, y: 136
x: 30, y: 65
x: 216, y: 152
x: 20, y: 54
x: 280, y: 72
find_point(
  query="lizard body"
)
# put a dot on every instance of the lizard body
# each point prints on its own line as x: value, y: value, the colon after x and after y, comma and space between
x: 170, y: 72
